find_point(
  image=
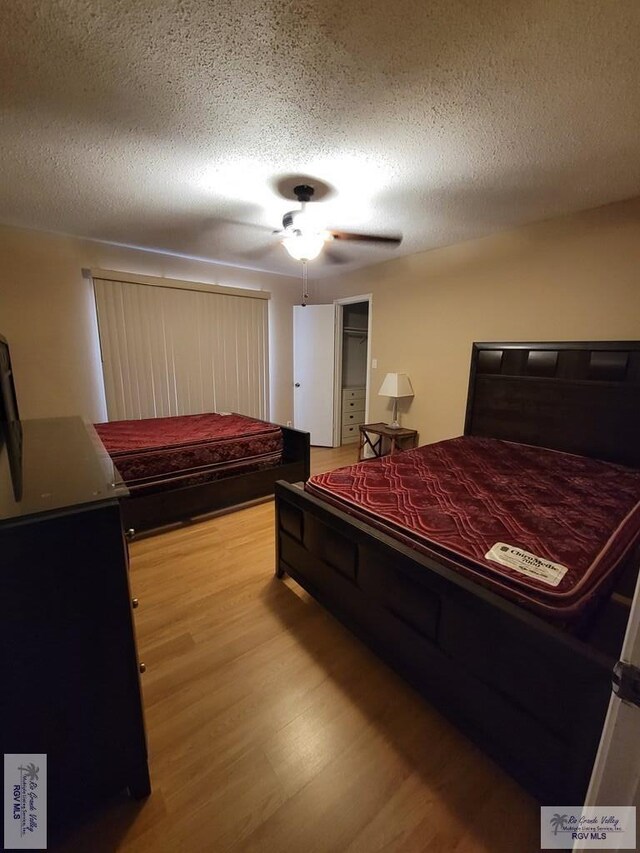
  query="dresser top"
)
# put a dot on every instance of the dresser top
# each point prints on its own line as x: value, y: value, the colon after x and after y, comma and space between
x: 51, y: 465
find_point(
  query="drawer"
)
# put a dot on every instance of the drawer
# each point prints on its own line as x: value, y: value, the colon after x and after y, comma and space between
x: 356, y: 405
x: 353, y: 394
x: 350, y: 417
x: 350, y: 431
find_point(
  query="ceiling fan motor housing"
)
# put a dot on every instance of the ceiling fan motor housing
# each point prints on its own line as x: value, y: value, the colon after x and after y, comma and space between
x: 303, y: 193
x: 297, y: 227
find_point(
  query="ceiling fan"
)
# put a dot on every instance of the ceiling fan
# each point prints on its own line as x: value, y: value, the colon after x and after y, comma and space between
x: 304, y: 241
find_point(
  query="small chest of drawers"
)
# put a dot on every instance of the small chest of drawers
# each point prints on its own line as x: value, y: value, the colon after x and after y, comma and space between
x: 353, y: 413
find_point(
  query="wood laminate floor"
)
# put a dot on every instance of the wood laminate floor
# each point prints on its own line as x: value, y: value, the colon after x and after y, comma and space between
x: 272, y: 729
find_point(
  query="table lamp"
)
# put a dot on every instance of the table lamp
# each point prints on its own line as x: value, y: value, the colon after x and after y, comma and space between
x: 396, y: 385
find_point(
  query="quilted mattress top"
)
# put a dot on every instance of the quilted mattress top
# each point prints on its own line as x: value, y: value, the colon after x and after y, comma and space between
x: 122, y: 437
x: 544, y: 528
x: 157, y: 449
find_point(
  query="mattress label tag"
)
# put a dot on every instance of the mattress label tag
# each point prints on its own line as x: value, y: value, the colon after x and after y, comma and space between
x: 526, y: 563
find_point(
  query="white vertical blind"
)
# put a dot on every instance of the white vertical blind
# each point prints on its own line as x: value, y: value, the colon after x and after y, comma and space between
x: 175, y: 351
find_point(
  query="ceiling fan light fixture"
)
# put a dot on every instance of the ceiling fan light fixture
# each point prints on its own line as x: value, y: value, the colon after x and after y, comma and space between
x: 304, y: 247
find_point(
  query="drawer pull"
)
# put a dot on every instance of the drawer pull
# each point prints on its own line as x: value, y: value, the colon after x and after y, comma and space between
x: 134, y: 603
x: 130, y: 533
x: 142, y: 667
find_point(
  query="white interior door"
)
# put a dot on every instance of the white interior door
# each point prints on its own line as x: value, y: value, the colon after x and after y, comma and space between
x: 616, y: 773
x: 314, y: 368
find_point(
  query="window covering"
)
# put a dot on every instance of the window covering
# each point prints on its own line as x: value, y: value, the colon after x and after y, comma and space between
x: 177, y: 351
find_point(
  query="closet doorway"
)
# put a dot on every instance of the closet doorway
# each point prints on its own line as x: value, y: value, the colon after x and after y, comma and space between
x: 352, y: 376
x: 331, y: 354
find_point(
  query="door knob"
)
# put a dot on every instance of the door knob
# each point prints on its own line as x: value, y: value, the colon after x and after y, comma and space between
x: 297, y: 385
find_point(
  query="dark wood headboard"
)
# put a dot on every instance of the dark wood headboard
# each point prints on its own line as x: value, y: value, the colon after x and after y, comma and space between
x: 578, y: 397
x: 8, y: 399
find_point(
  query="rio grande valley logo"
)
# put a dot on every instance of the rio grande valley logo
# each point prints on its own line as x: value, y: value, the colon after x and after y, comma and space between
x: 25, y: 806
x: 589, y: 826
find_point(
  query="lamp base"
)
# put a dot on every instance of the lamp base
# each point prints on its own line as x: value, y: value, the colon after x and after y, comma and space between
x: 394, y: 423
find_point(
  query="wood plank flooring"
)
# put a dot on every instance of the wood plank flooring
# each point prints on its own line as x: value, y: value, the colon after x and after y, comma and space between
x: 272, y: 729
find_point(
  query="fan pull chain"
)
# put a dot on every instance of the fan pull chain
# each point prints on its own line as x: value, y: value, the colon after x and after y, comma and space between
x: 305, y: 283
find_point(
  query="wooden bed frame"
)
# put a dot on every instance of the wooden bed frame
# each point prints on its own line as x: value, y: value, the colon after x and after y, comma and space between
x: 534, y: 697
x: 145, y: 512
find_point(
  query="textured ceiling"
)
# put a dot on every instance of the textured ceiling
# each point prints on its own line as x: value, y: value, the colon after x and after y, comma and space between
x: 172, y: 124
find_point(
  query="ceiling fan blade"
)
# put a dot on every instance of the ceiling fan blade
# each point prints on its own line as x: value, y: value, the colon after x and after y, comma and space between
x: 334, y: 257
x: 366, y: 238
x: 261, y: 252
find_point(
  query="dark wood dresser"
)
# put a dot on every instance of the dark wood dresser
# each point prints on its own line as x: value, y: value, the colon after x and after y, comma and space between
x: 69, y: 668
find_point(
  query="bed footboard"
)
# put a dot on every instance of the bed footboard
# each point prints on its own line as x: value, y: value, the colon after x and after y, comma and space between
x: 532, y: 696
x: 296, y: 448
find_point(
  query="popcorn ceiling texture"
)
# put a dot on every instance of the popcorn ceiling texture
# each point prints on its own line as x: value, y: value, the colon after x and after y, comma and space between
x: 168, y: 124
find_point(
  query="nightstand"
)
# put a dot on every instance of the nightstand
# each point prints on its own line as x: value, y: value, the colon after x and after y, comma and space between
x: 383, y: 439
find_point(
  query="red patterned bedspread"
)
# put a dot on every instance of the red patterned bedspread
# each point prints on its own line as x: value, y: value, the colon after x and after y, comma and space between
x: 160, y: 453
x: 456, y: 499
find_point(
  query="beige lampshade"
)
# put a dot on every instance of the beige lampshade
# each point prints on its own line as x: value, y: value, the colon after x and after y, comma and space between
x: 396, y: 385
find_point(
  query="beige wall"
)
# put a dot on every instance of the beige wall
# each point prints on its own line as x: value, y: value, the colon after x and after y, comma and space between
x: 47, y: 313
x: 574, y: 278
x: 577, y: 277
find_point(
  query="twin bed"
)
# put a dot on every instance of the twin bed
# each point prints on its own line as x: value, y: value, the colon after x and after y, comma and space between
x: 179, y: 468
x: 495, y: 571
